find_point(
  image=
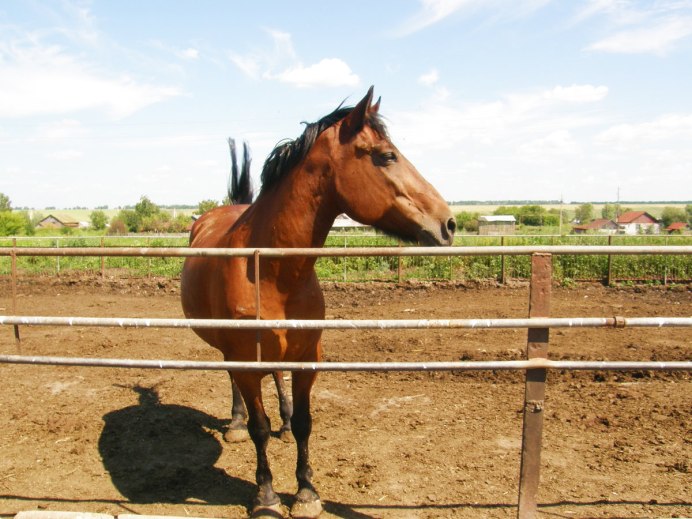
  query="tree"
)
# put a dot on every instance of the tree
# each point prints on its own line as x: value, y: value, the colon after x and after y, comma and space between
x: 206, y: 205
x: 98, y: 220
x: 688, y: 210
x: 129, y: 218
x: 467, y: 221
x: 584, y: 213
x: 612, y: 211
x: 672, y: 214
x: 11, y: 223
x: 5, y: 204
x: 532, y: 215
x: 146, y: 207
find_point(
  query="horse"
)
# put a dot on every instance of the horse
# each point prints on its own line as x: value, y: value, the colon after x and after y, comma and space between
x: 240, y: 196
x: 343, y: 163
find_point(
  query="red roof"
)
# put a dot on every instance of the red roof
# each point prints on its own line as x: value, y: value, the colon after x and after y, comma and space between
x: 601, y: 223
x: 676, y: 226
x: 632, y: 216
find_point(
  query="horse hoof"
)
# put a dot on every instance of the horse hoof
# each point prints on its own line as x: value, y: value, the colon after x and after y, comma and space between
x: 286, y: 435
x: 236, y: 435
x: 306, y: 509
x: 268, y: 512
x: 307, y: 504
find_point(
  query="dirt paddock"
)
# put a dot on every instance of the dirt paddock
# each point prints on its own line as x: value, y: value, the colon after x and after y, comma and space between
x: 396, y: 445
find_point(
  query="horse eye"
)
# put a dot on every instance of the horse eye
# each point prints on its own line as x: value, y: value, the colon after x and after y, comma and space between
x: 387, y: 157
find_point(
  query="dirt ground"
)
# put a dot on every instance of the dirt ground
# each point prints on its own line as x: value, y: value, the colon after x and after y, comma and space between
x: 401, y: 445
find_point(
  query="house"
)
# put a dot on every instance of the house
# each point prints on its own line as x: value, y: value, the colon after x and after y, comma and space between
x: 497, y: 225
x: 676, y: 227
x: 57, y: 222
x: 601, y: 226
x: 344, y: 221
x: 638, y: 222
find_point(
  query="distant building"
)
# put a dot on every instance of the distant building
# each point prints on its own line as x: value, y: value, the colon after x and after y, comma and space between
x: 601, y: 226
x: 57, y: 222
x: 638, y: 222
x: 344, y: 221
x: 676, y: 227
x: 496, y: 225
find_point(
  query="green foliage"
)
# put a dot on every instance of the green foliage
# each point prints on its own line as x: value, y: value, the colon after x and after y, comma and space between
x: 672, y: 214
x: 206, y: 205
x: 98, y: 220
x: 531, y: 215
x: 12, y: 224
x: 612, y: 211
x: 584, y: 213
x: 145, y: 208
x: 467, y: 221
x: 5, y: 204
x: 688, y: 210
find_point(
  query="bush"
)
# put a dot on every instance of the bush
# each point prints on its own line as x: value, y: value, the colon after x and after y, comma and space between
x: 11, y: 223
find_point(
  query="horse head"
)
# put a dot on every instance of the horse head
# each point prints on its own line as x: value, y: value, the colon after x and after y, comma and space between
x: 376, y: 185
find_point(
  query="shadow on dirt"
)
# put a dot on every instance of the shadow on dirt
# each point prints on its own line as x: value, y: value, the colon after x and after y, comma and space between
x: 166, y: 453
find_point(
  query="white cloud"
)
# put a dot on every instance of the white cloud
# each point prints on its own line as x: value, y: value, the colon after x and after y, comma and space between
x: 659, y: 38
x: 189, y: 53
x: 434, y: 11
x: 40, y: 79
x: 669, y: 129
x: 329, y: 72
x: 281, y: 63
x: 577, y: 93
x: 430, y: 78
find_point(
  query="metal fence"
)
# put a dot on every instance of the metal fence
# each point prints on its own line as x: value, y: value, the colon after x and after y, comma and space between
x: 566, y: 268
x: 538, y: 325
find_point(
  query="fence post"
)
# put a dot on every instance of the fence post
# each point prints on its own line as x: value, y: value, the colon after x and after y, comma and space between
x: 610, y: 262
x: 17, y: 339
x: 258, y: 314
x: 103, y: 259
x: 534, y: 398
x: 503, y: 274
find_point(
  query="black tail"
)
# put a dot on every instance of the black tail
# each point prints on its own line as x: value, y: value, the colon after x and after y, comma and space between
x: 240, y: 184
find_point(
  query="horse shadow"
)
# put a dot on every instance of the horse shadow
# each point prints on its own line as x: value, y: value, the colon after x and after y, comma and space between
x: 157, y: 452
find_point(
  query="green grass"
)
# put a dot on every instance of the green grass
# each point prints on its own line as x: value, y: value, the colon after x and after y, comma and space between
x: 566, y: 268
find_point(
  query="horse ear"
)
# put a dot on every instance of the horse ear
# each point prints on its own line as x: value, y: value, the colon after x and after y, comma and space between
x: 355, y: 121
x: 376, y: 107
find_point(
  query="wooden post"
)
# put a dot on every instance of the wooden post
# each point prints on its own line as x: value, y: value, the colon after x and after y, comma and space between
x: 103, y: 259
x: 534, y: 399
x: 17, y: 339
x: 610, y: 262
x: 257, y: 304
x: 503, y: 274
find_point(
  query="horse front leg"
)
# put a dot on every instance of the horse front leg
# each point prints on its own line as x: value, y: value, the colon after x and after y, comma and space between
x: 237, y: 430
x: 307, y: 501
x: 285, y: 406
x: 266, y: 503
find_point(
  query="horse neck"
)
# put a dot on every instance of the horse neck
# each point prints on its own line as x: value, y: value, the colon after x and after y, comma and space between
x: 298, y: 212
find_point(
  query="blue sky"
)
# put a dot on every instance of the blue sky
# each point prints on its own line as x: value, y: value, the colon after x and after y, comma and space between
x: 104, y: 102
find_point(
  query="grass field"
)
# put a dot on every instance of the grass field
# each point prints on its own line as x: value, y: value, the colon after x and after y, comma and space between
x: 653, y: 208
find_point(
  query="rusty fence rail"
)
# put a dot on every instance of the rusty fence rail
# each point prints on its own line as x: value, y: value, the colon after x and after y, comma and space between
x: 492, y: 250
x: 538, y: 326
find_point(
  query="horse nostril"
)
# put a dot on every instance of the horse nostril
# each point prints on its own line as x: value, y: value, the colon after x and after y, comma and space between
x: 452, y: 225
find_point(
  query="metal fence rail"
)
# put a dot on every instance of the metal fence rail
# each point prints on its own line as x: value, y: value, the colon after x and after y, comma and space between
x: 479, y: 365
x: 350, y: 324
x: 518, y: 250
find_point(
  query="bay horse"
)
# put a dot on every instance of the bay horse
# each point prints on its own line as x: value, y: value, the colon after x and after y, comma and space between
x: 343, y: 163
x: 240, y: 195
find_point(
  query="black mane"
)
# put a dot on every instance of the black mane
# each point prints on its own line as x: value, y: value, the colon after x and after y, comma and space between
x: 288, y: 153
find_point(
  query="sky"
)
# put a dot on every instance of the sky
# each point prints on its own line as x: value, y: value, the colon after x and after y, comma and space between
x: 104, y: 102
